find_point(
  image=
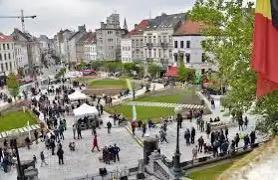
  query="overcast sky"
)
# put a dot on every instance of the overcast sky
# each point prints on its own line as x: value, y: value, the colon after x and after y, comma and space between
x: 54, y: 15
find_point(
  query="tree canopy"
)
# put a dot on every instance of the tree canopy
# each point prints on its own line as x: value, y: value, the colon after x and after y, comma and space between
x: 13, y: 85
x: 229, y: 26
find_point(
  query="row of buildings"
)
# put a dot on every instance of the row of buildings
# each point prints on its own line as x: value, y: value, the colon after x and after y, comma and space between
x: 164, y: 40
x: 22, y: 52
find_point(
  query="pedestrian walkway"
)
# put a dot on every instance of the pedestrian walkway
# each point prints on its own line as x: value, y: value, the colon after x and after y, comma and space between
x: 161, y: 104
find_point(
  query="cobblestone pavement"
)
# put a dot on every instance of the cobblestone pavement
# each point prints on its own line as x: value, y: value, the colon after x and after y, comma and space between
x: 82, y: 161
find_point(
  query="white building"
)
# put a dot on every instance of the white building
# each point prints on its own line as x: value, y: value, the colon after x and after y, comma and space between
x: 90, y: 47
x: 132, y: 44
x: 187, y: 41
x: 7, y: 55
x: 158, y: 42
x: 126, y: 50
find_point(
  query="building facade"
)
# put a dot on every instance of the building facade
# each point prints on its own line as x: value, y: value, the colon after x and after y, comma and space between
x: 109, y: 39
x: 126, y: 50
x: 90, y: 48
x: 187, y: 41
x: 8, y: 62
x: 158, y: 38
x: 24, y: 42
x: 132, y: 44
x: 61, y: 45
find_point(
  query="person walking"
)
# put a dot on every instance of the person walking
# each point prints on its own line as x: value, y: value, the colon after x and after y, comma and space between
x: 179, y: 120
x: 144, y: 129
x: 193, y: 133
x: 79, y: 136
x: 74, y: 130
x: 52, y: 146
x: 36, y: 135
x: 194, y: 153
x: 200, y: 144
x: 43, y: 159
x: 95, y: 144
x: 163, y: 136
x: 109, y: 126
x: 237, y: 139
x: 252, y: 138
x: 133, y: 127
x: 60, y: 154
x: 246, y: 122
x: 116, y: 151
x: 226, y: 132
x: 61, y: 131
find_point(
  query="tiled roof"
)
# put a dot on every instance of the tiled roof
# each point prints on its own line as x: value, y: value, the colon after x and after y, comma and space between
x: 4, y: 38
x: 139, y: 28
x: 166, y: 21
x: 189, y: 27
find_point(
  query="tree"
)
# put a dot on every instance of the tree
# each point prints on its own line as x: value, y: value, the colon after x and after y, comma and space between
x: 229, y: 30
x: 13, y: 85
x: 185, y: 74
x: 154, y: 70
x: 130, y: 67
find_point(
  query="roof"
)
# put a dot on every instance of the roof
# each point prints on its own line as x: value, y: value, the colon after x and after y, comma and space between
x: 4, y: 38
x: 189, y: 27
x: 139, y: 28
x: 88, y: 38
x: 166, y: 21
x: 26, y: 36
x: 172, y: 71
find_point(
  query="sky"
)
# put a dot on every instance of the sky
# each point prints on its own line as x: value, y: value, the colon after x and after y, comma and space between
x: 54, y: 15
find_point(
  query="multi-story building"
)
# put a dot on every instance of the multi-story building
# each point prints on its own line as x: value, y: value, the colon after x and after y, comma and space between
x: 74, y: 50
x: 28, y: 51
x: 7, y: 55
x: 187, y: 40
x: 132, y: 44
x: 61, y: 45
x: 90, y: 47
x: 109, y: 38
x: 158, y: 42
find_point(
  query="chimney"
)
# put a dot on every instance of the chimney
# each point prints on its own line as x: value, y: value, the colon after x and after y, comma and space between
x: 135, y: 26
x: 102, y: 25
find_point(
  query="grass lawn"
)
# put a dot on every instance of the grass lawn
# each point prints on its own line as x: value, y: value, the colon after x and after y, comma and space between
x: 16, y: 119
x: 179, y: 96
x: 212, y: 172
x: 143, y: 113
x: 108, y: 84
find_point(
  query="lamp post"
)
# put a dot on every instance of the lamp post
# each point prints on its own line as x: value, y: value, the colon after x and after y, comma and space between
x: 177, y: 171
x: 20, y: 174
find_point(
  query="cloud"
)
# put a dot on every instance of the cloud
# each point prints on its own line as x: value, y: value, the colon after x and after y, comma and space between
x: 53, y: 15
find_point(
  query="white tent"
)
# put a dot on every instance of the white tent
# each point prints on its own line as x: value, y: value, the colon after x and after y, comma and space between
x: 77, y: 95
x: 85, y: 110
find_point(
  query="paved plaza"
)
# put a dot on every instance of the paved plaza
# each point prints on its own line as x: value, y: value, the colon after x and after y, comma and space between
x: 83, y: 162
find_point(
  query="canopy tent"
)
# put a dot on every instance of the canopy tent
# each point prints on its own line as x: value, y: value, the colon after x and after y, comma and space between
x: 85, y: 110
x: 77, y: 95
x: 73, y: 74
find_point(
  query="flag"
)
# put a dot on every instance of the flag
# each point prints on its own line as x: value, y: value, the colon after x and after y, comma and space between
x: 265, y: 46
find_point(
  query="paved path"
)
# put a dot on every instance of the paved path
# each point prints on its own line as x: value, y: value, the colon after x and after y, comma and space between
x: 160, y: 104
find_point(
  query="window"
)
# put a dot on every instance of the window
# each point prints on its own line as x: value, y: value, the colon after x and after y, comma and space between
x: 7, y: 68
x: 2, y: 68
x: 110, y: 32
x: 4, y: 46
x: 159, y: 53
x: 187, y: 44
x: 154, y: 39
x: 9, y: 56
x: 182, y: 44
x: 154, y: 53
x: 187, y: 58
x: 5, y: 57
x: 8, y: 46
x: 11, y: 67
x: 0, y: 57
x: 176, y: 44
x: 176, y: 57
x: 110, y: 40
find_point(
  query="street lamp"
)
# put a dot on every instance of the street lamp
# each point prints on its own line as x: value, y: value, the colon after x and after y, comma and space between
x: 177, y: 171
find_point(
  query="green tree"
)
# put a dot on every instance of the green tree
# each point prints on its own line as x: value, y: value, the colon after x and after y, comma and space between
x: 185, y: 74
x: 130, y: 67
x: 154, y: 70
x: 229, y: 30
x: 13, y: 85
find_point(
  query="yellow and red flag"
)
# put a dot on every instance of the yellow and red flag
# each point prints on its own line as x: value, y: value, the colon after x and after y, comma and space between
x: 265, y: 46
